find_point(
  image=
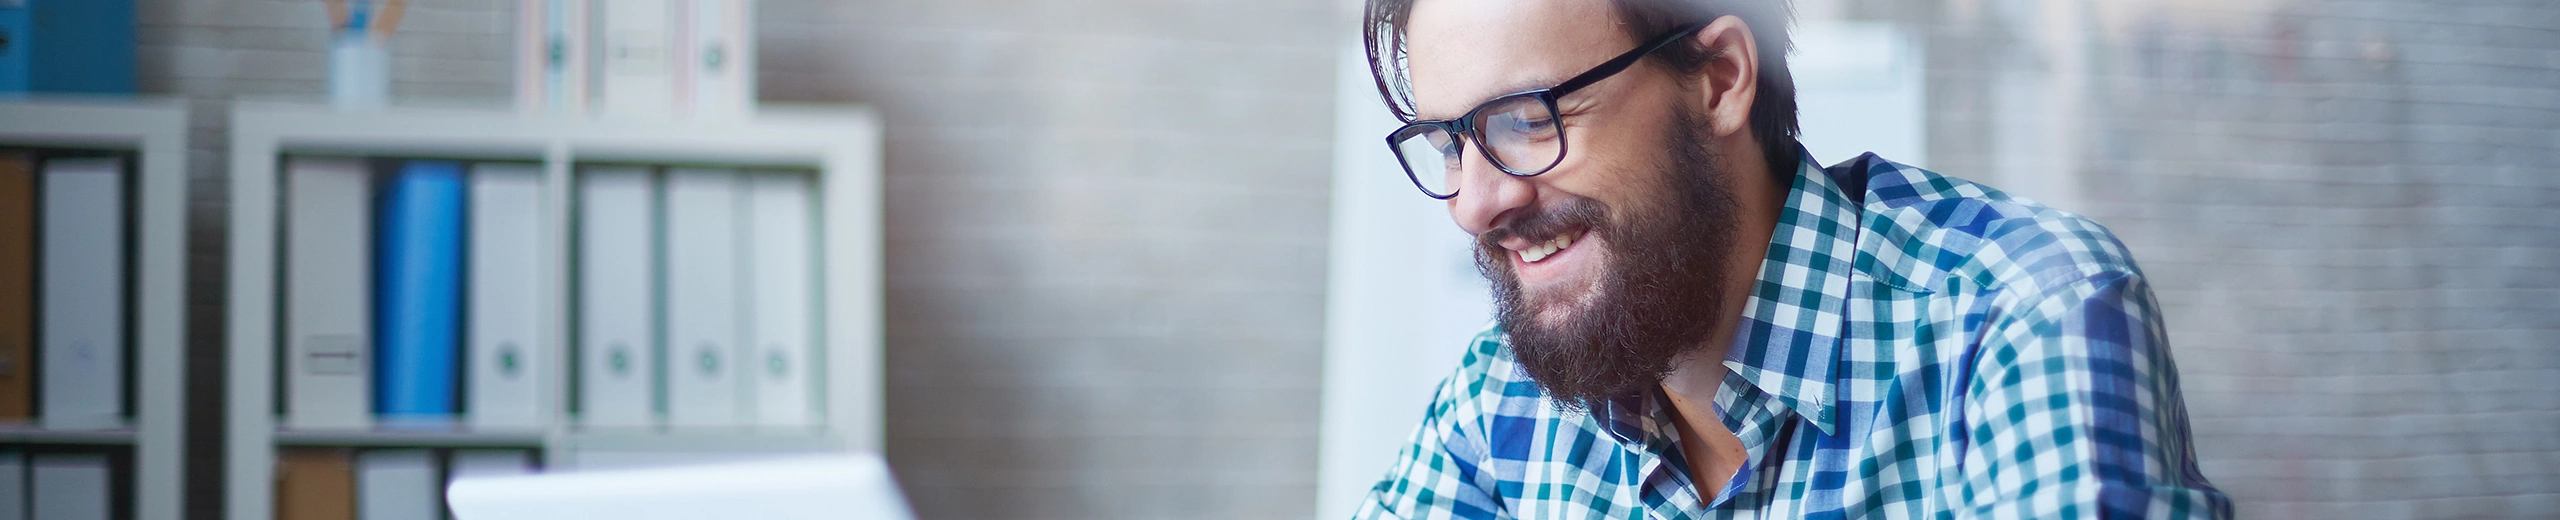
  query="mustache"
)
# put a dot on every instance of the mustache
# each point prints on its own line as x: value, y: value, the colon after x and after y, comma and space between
x: 1546, y: 221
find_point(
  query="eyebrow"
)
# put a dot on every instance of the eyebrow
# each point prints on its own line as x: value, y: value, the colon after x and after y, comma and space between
x: 1512, y: 87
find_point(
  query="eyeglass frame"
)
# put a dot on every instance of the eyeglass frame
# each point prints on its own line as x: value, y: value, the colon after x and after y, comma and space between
x: 1468, y: 126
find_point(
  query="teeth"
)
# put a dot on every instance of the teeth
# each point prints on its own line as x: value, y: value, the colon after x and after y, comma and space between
x: 1541, y: 251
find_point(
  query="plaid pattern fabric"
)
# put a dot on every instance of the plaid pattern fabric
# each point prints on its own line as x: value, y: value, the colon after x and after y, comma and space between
x: 1918, y: 346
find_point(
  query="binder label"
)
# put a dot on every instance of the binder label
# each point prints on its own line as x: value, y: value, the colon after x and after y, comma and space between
x: 336, y: 354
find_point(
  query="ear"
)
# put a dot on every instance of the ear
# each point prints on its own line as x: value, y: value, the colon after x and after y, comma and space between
x: 1731, y: 78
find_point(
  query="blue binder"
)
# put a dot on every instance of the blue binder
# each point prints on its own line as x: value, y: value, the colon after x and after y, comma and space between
x: 81, y: 46
x: 418, y: 294
x: 17, y: 24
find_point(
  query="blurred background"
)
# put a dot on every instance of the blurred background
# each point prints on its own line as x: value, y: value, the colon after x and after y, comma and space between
x: 1144, y: 258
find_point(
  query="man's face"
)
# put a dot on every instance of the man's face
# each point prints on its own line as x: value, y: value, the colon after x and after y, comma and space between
x: 1605, y: 268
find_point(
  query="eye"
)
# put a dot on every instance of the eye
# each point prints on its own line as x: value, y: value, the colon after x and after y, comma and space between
x: 1445, y: 143
x: 1528, y: 123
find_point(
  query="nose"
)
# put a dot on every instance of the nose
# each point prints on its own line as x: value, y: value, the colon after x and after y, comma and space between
x: 1486, y: 194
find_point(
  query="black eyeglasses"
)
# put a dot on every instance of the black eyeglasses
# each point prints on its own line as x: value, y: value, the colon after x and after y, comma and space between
x: 1520, y: 133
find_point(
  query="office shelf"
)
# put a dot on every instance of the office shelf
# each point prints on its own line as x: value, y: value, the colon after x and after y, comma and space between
x: 106, y: 437
x: 155, y: 132
x: 412, y: 438
x: 840, y: 143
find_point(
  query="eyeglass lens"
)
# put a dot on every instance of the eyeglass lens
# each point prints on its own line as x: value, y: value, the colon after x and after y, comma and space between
x: 1521, y: 133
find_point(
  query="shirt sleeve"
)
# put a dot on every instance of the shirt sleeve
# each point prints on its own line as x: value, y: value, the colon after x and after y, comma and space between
x: 1435, y: 476
x: 2074, y: 412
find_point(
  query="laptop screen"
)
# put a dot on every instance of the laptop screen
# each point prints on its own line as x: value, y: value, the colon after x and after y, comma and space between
x: 834, y: 486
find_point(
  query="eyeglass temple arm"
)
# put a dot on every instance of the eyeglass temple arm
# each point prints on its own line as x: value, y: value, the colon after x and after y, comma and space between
x: 1623, y: 61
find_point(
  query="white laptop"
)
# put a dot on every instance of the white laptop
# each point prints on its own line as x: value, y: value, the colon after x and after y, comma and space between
x: 833, y: 486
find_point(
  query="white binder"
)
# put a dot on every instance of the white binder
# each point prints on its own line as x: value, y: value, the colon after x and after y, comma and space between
x: 617, y: 297
x: 505, y: 348
x: 639, y: 65
x: 551, y: 56
x: 721, y: 58
x: 782, y: 282
x: 69, y: 486
x: 13, y: 485
x: 328, y: 293
x: 82, y: 261
x: 702, y: 298
x: 398, y: 485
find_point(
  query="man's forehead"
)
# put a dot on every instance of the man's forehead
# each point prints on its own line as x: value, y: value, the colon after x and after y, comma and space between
x: 1462, y: 52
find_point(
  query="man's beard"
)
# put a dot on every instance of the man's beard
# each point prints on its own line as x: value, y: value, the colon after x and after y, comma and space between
x: 1657, y: 296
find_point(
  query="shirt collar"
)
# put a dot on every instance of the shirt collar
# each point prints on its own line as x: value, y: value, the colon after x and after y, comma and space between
x: 1789, y: 339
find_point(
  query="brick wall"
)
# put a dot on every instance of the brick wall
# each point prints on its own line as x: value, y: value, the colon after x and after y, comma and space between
x: 2348, y: 209
x: 1106, y: 245
x: 1105, y: 227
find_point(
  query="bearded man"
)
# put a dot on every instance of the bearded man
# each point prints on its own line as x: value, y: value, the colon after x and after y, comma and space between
x: 1699, y: 321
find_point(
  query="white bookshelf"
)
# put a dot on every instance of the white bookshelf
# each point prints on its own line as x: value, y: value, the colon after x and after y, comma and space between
x: 840, y: 143
x: 155, y: 132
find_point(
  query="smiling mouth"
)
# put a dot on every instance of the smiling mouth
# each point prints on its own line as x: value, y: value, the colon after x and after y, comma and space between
x: 1541, y: 251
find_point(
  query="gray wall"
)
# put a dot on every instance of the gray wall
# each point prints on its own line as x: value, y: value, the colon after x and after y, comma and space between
x: 1105, y: 227
x: 2350, y: 209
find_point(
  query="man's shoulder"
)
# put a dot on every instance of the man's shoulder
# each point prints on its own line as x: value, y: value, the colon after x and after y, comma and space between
x: 1490, y: 382
x: 1487, y: 391
x: 1922, y: 228
x: 1487, y: 369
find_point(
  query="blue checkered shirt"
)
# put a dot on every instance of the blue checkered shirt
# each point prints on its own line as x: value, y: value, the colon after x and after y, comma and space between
x: 1917, y: 346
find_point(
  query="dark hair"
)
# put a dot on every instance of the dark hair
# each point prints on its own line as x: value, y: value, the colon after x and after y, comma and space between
x: 1773, y: 111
